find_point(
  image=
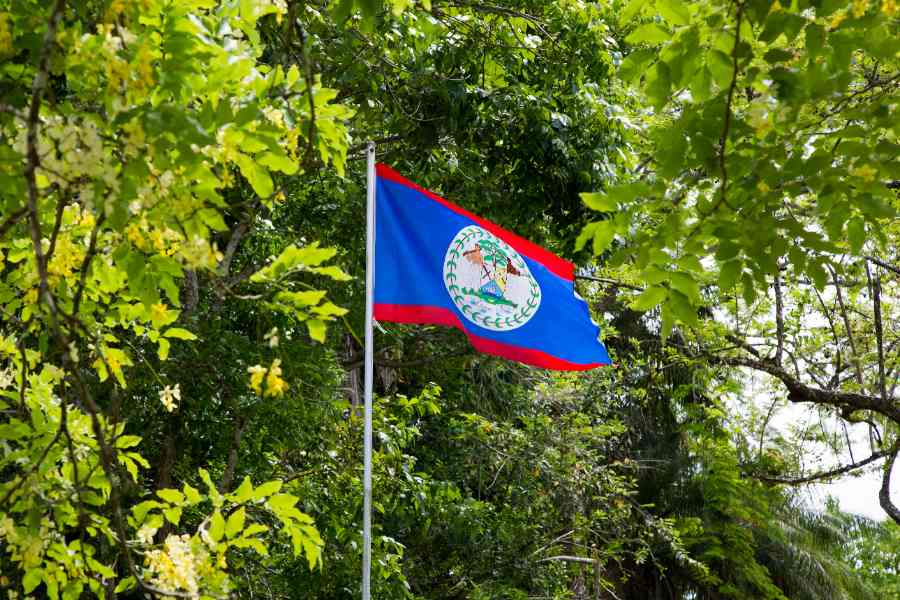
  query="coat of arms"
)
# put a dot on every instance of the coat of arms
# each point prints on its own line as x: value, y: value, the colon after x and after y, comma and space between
x: 488, y: 281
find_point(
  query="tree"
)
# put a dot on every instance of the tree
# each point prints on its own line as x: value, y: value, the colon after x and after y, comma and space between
x: 128, y: 133
x: 766, y: 188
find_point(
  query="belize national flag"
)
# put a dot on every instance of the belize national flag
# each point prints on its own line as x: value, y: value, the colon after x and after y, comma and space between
x: 437, y: 263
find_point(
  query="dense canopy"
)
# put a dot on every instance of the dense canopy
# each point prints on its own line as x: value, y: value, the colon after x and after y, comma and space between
x: 182, y: 281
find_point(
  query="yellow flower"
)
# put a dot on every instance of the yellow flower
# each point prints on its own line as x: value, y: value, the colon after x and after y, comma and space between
x: 762, y: 187
x: 257, y: 373
x: 66, y: 258
x: 776, y: 6
x: 174, y: 566
x: 890, y: 8
x: 275, y: 385
x: 865, y: 172
x: 31, y: 296
x: 860, y: 7
x: 87, y: 219
x: 158, y: 313
x: 837, y: 19
x: 134, y: 234
x: 168, y: 395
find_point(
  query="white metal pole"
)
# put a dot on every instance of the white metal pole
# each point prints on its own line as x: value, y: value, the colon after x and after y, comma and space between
x: 369, y: 367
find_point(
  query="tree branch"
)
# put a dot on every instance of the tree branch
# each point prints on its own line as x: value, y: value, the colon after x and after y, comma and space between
x: 38, y: 85
x: 779, y: 318
x: 723, y: 140
x: 823, y: 474
x: 875, y: 283
x: 881, y: 263
x: 884, y: 494
x: 800, y: 392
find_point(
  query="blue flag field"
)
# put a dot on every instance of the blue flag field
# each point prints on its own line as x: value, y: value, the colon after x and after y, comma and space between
x: 436, y: 263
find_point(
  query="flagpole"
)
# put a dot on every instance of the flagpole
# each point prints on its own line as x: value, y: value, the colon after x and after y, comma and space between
x: 369, y: 368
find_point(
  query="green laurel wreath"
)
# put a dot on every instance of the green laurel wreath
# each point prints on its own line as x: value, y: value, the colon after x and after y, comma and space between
x: 479, y: 317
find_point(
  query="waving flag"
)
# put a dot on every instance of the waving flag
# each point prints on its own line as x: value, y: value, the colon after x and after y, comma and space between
x: 436, y: 263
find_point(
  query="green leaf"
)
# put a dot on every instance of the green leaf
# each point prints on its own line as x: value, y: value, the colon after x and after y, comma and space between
x: 633, y: 67
x: 235, y: 523
x: 300, y: 299
x: 294, y: 258
x: 335, y: 273
x: 172, y: 496
x: 721, y: 67
x: 179, y: 333
x: 140, y: 510
x: 685, y: 284
x: 856, y: 233
x: 674, y: 11
x: 267, y: 489
x: 258, y: 177
x: 173, y: 515
x: 31, y: 580
x: 659, y: 85
x: 281, y: 502
x: 701, y: 84
x: 126, y: 584
x: 603, y: 236
x: 777, y: 55
x: 649, y: 33
x: 277, y: 162
x: 587, y: 232
x: 748, y: 288
x: 293, y: 75
x: 818, y: 274
x: 598, y: 201
x: 316, y: 329
x: 216, y: 526
x: 682, y: 308
x: 631, y: 9
x: 729, y: 273
x: 127, y: 441
x: 192, y: 494
x: 243, y: 493
x: 164, y: 346
x: 649, y: 298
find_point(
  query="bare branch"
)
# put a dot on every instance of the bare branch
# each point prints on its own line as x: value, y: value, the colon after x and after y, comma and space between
x: 830, y: 474
x: 884, y: 265
x: 38, y: 85
x: 779, y: 318
x: 565, y: 558
x: 884, y: 494
x: 875, y: 283
x: 854, y: 356
x: 800, y: 392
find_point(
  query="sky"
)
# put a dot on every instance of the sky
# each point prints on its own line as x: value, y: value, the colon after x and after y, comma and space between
x: 856, y: 493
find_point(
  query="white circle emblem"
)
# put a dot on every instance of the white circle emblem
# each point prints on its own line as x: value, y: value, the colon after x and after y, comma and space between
x: 489, y: 282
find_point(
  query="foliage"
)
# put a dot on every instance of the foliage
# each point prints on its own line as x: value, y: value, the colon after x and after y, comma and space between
x: 125, y: 135
x: 181, y: 191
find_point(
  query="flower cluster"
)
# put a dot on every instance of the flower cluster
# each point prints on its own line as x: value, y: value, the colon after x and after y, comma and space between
x: 174, y: 567
x: 275, y: 385
x: 168, y: 395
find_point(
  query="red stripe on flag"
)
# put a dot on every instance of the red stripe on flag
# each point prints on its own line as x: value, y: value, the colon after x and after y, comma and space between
x: 433, y: 315
x: 554, y: 264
